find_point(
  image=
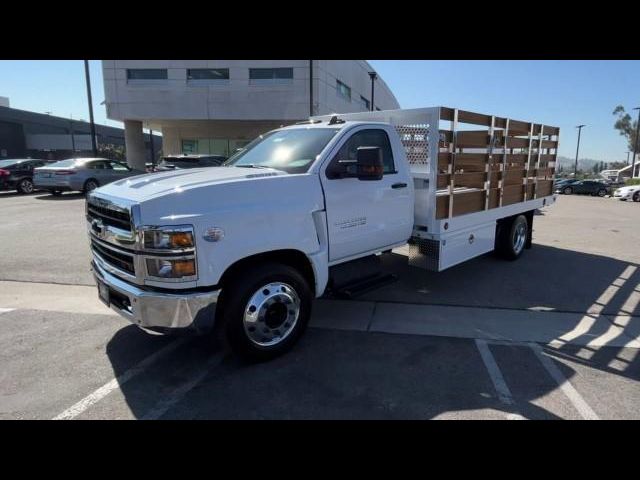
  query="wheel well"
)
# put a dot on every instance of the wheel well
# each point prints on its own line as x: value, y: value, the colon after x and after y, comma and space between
x: 290, y: 257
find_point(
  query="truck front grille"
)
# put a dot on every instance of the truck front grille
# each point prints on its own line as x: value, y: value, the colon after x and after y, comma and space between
x: 109, y: 216
x: 113, y: 257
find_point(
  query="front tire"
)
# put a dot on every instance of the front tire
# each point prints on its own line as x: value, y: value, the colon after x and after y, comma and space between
x: 602, y: 192
x: 25, y: 186
x: 264, y: 311
x: 636, y: 197
x: 568, y: 191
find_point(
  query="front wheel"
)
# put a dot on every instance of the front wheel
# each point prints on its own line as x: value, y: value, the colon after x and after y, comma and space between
x: 568, y: 191
x: 636, y: 197
x: 265, y: 310
x: 602, y: 192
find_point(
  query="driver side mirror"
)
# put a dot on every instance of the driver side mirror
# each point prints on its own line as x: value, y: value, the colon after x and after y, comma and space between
x: 369, y: 164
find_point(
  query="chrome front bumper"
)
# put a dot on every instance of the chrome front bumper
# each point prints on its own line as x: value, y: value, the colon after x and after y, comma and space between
x: 157, y: 311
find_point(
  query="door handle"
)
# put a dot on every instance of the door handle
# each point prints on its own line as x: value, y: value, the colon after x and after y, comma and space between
x: 399, y: 185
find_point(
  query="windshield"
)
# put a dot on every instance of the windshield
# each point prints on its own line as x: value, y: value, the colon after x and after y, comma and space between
x: 292, y: 151
x: 8, y: 163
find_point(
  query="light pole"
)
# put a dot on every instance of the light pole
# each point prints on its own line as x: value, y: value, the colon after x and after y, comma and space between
x: 373, y: 76
x: 635, y: 148
x: 311, y: 88
x: 92, y: 124
x: 628, y: 157
x: 73, y: 141
x: 575, y: 168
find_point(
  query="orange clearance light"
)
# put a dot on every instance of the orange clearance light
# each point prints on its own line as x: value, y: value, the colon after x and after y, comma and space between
x: 181, y: 240
x: 184, y: 268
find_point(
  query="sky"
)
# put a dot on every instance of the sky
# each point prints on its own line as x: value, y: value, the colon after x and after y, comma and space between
x: 559, y: 93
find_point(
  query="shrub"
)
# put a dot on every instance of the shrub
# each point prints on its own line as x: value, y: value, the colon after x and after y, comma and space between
x: 632, y: 181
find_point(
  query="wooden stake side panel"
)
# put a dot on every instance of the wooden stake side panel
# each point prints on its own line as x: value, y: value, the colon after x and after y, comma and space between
x: 505, y: 162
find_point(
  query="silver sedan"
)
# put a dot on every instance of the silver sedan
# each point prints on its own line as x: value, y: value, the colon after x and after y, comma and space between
x: 80, y: 174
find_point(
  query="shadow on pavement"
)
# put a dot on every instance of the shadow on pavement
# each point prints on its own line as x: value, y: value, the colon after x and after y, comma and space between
x: 62, y: 196
x: 335, y: 374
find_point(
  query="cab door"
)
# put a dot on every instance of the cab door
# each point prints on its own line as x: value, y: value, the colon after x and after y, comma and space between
x: 365, y: 216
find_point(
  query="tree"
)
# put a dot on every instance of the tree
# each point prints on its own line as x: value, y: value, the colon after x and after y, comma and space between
x: 626, y: 126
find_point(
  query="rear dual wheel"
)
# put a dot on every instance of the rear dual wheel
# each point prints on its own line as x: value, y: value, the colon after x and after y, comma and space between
x: 512, y: 237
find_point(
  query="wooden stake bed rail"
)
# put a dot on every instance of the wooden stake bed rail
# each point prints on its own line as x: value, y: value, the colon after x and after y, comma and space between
x: 507, y: 162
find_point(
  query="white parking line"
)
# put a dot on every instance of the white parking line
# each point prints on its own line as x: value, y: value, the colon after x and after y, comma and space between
x: 174, y: 397
x: 5, y: 310
x: 108, y: 387
x: 572, y: 394
x: 504, y: 394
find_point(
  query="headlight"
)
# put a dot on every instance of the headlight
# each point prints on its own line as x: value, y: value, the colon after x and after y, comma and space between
x: 169, y: 238
x: 161, y: 268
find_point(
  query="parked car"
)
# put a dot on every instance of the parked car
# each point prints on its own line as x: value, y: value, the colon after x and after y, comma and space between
x: 591, y: 187
x: 564, y: 182
x: 17, y: 174
x: 190, y: 161
x: 80, y: 174
x: 631, y: 192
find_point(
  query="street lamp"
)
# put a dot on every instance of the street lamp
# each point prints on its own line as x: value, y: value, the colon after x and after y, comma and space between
x: 575, y: 169
x: 635, y: 148
x: 373, y: 76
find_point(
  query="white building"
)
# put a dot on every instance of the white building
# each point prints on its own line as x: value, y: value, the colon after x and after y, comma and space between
x: 217, y: 106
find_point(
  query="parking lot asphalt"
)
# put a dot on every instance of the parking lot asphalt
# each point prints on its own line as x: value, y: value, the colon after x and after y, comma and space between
x: 553, y: 335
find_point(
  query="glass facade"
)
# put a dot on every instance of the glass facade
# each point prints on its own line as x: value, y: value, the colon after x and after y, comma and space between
x: 213, y: 146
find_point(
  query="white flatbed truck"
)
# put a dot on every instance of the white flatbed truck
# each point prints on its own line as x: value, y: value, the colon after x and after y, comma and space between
x: 243, y: 249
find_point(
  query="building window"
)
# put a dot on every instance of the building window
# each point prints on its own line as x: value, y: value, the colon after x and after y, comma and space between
x: 146, y: 75
x: 365, y: 103
x: 343, y: 90
x: 270, y: 76
x: 208, y: 76
x: 189, y: 146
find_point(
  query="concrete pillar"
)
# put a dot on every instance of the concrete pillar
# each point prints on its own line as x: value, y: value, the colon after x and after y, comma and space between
x: 134, y: 144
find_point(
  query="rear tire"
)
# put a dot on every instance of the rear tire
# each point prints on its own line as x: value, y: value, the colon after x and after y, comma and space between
x: 90, y: 185
x: 25, y: 186
x: 636, y: 197
x: 513, y: 238
x: 264, y: 310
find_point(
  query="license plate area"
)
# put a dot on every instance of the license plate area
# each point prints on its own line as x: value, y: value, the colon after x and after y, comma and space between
x: 103, y: 293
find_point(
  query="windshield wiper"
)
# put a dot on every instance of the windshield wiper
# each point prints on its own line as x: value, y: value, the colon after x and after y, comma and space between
x: 251, y: 165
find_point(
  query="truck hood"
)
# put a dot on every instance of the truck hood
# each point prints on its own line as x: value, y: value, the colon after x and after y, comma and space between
x: 151, y: 185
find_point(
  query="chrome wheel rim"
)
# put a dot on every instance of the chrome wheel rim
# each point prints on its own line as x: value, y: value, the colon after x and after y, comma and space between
x: 26, y: 186
x: 271, y: 314
x: 519, y: 237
